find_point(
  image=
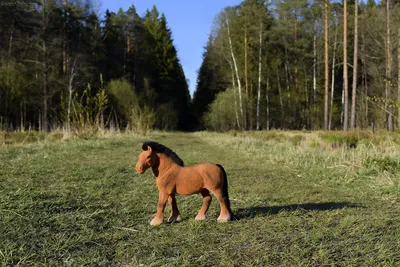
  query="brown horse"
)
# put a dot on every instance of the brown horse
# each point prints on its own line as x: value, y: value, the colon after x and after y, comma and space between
x: 173, y: 178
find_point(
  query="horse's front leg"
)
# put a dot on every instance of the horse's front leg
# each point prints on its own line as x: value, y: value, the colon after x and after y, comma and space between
x: 175, y: 217
x: 159, y: 217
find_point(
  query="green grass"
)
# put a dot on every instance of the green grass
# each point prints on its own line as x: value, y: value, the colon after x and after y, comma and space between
x: 298, y: 201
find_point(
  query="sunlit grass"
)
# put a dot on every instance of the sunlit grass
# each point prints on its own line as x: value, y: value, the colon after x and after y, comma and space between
x: 298, y: 200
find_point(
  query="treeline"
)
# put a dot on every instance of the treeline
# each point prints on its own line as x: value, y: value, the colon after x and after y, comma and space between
x: 301, y: 64
x: 63, y: 66
x: 294, y: 64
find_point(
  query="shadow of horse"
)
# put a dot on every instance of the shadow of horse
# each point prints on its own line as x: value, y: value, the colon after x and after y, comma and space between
x: 248, y: 213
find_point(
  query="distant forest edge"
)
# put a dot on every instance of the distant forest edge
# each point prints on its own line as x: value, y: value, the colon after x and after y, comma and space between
x: 63, y: 67
x: 267, y: 65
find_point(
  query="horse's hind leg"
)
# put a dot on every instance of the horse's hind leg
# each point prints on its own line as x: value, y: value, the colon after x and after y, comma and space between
x: 206, y: 204
x: 175, y: 217
x: 224, y: 215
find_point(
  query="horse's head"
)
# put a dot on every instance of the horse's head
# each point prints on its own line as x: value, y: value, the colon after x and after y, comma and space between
x: 145, y: 161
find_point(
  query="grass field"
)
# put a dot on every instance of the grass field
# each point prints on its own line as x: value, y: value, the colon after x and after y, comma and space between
x: 298, y: 199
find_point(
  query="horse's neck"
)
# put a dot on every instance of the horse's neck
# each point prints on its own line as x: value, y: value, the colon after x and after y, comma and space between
x: 164, y: 165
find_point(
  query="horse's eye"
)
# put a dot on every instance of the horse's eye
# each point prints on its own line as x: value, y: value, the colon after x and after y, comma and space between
x: 149, y: 156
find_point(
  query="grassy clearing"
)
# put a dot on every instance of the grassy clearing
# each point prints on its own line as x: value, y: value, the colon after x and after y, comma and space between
x: 299, y: 202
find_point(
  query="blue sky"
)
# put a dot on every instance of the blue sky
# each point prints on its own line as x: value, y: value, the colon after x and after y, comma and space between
x: 190, y: 22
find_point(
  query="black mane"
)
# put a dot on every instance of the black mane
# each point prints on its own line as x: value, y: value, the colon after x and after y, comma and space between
x: 159, y: 148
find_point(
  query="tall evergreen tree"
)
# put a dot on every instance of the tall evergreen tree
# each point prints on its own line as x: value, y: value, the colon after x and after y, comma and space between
x: 209, y: 82
x: 172, y: 92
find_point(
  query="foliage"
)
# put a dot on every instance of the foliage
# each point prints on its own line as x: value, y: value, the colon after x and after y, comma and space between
x: 210, y: 82
x: 292, y: 52
x: 59, y: 47
x: 122, y: 97
x: 383, y: 164
x: 142, y: 119
x: 88, y: 111
x: 270, y: 56
x: 221, y: 114
x: 168, y: 117
x: 345, y: 138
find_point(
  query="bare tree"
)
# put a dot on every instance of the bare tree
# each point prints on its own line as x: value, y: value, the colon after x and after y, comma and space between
x: 267, y: 99
x: 345, y: 78
x: 333, y: 75
x: 246, y: 79
x: 234, y: 88
x: 70, y: 93
x: 236, y: 70
x: 326, y: 57
x: 65, y: 38
x: 398, y: 77
x: 314, y: 74
x: 355, y: 59
x: 388, y: 68
x: 259, y: 78
x: 234, y: 91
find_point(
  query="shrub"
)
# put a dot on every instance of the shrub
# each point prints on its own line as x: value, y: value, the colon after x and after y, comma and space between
x: 221, y: 115
x: 142, y: 120
x: 296, y: 139
x: 383, y: 164
x: 87, y: 111
x: 122, y: 97
x: 139, y: 118
x: 167, y: 117
x: 344, y: 138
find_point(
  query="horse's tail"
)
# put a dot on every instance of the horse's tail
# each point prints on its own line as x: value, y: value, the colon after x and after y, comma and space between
x: 225, y: 191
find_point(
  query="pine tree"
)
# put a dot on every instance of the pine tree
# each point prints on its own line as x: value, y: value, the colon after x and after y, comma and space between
x: 209, y: 83
x: 171, y: 88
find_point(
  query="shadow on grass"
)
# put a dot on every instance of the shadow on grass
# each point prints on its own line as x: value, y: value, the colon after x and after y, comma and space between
x: 248, y: 213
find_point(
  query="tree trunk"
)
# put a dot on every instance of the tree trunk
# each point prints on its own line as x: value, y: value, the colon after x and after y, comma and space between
x: 297, y: 116
x: 333, y: 77
x: 22, y: 128
x: 234, y: 94
x: 248, y: 112
x: 314, y: 76
x: 245, y: 64
x: 280, y: 96
x: 398, y: 77
x: 237, y: 74
x: 287, y: 73
x: 388, y: 93
x: 128, y: 52
x: 10, y: 41
x: 65, y: 41
x: 326, y: 57
x: 45, y: 90
x: 267, y: 99
x: 365, y: 78
x: 70, y: 91
x: 345, y: 78
x: 40, y: 120
x: 355, y: 60
x: 259, y: 79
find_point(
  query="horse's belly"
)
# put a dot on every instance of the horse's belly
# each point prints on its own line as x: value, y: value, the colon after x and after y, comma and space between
x: 188, y: 187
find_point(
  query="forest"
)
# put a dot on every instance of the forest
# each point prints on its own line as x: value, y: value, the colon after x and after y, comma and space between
x: 297, y: 64
x: 298, y: 100
x: 64, y: 67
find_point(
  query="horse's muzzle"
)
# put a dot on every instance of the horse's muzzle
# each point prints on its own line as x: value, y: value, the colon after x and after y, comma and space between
x: 140, y: 169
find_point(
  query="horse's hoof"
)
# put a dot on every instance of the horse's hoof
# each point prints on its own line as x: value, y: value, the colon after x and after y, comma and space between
x: 200, y: 217
x: 174, y: 219
x: 156, y: 221
x: 224, y: 219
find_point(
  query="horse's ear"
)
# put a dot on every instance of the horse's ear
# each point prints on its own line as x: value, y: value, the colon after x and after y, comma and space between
x: 149, y: 149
